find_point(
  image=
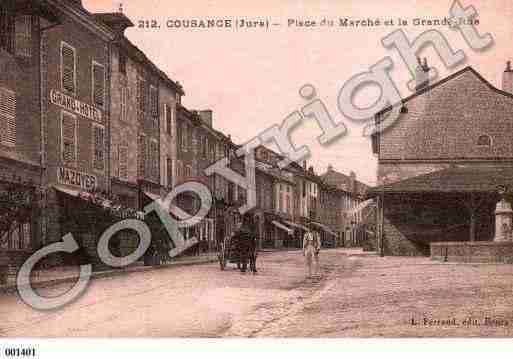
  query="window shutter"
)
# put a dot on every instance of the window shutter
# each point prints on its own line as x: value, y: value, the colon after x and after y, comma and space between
x: 154, y: 105
x: 98, y: 84
x: 23, y: 35
x: 168, y: 115
x: 123, y: 101
x: 99, y: 148
x: 7, y: 117
x: 68, y: 68
x: 141, y: 94
x: 123, y: 161
x: 141, y: 156
x: 68, y: 138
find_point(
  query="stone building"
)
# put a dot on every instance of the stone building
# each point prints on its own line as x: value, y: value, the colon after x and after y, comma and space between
x: 441, y: 162
x: 22, y: 176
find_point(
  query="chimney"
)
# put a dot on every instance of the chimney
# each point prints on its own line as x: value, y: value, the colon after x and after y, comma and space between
x: 206, y: 116
x: 304, y: 165
x: 421, y: 74
x: 507, y: 78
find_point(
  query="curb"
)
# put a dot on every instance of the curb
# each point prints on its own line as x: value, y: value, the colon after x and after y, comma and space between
x: 12, y: 288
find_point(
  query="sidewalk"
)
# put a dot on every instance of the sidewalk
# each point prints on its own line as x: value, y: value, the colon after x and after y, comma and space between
x: 58, y: 275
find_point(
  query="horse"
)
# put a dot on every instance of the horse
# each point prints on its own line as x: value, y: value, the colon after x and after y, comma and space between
x: 246, y: 247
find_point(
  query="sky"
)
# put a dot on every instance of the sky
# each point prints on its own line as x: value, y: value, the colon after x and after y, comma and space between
x: 251, y: 78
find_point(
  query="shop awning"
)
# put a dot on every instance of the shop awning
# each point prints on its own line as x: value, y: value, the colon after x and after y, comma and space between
x: 117, y: 210
x: 282, y: 226
x: 325, y: 228
x: 297, y: 225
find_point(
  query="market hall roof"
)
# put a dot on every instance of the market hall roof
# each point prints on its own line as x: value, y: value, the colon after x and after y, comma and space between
x: 468, y: 179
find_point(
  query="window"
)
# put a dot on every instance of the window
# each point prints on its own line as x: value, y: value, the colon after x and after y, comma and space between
x: 124, y: 100
x: 188, y: 171
x: 167, y: 114
x: 98, y: 82
x: 6, y: 30
x: 205, y: 146
x: 68, y: 68
x: 169, y: 170
x: 19, y: 236
x: 179, y: 170
x: 23, y: 36
x: 212, y: 151
x: 98, y: 147
x: 484, y: 140
x: 69, y: 137
x: 122, y: 64
x: 154, y: 104
x: 184, y: 137
x: 123, y: 161
x: 7, y: 117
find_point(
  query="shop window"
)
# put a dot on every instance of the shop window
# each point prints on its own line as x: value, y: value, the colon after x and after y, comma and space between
x: 98, y: 84
x: 69, y: 137
x: 68, y: 68
x: 484, y: 141
x: 23, y: 36
x: 98, y: 147
x: 7, y: 117
x: 123, y: 161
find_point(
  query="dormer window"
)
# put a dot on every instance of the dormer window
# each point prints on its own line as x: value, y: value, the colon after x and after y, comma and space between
x: 404, y: 109
x: 484, y: 141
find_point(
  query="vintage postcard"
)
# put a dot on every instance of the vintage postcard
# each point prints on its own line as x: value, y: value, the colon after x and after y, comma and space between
x: 226, y: 169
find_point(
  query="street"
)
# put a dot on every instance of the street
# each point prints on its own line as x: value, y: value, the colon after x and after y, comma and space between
x: 357, y: 294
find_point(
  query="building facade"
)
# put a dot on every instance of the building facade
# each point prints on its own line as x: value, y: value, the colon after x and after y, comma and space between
x: 442, y: 162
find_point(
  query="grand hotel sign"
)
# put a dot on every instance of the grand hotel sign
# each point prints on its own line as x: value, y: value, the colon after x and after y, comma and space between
x: 75, y: 106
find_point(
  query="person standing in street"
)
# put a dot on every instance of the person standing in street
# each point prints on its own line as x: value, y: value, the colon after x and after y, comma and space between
x: 311, y: 248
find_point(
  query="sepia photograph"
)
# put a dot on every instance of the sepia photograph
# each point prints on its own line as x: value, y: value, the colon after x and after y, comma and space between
x: 252, y: 171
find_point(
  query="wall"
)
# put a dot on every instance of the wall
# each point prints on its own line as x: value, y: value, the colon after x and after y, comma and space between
x: 445, y: 123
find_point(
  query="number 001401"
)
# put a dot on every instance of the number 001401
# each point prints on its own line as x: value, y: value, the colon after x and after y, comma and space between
x: 20, y: 352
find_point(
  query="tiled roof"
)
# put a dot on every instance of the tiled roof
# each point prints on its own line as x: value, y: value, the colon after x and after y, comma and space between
x: 343, y: 182
x: 443, y: 81
x: 453, y: 180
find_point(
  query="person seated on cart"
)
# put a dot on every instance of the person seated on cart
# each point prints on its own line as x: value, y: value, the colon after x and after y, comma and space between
x: 246, y: 244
